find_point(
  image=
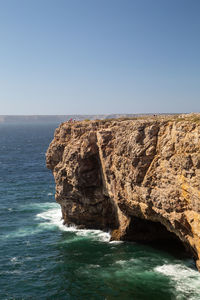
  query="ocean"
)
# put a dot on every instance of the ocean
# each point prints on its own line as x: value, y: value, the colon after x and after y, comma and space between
x: 40, y: 258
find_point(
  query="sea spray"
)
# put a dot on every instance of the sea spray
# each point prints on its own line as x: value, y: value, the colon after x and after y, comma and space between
x: 186, y: 279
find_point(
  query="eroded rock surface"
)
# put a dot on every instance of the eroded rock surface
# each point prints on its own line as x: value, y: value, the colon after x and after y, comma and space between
x: 138, y: 178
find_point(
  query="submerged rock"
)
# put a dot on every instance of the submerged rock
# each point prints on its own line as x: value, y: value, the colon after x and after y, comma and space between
x: 138, y: 178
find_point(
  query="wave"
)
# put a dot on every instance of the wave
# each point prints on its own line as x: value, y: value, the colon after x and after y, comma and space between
x: 14, y: 259
x: 29, y: 229
x: 54, y: 219
x: 186, y: 279
x: 50, y: 218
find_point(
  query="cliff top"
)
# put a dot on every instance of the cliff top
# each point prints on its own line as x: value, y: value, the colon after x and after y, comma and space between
x: 192, y: 117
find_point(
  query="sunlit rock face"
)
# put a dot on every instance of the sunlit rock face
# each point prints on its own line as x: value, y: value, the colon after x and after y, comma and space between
x: 118, y: 175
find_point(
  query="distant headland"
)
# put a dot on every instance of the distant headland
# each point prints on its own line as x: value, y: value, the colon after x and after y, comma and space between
x: 64, y: 118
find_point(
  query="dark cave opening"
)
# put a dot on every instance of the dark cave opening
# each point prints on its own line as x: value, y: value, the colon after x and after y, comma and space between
x: 157, y: 236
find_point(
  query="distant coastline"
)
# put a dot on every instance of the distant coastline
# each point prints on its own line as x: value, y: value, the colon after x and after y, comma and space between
x: 64, y: 118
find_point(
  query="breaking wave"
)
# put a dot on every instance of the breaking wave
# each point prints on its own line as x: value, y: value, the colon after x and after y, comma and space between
x: 53, y: 218
x: 186, y: 279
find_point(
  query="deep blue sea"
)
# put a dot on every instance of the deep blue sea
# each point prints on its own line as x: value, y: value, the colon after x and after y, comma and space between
x: 42, y: 259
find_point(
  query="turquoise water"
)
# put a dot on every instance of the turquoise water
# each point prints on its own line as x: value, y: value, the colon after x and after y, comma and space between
x: 42, y: 259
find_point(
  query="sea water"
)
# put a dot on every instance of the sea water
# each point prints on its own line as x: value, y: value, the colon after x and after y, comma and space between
x: 40, y: 258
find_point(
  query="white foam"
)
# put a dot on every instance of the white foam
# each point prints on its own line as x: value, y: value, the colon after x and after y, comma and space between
x: 54, y: 218
x: 116, y: 242
x: 93, y: 266
x: 13, y: 259
x: 94, y: 234
x: 30, y: 230
x: 17, y: 272
x: 121, y: 262
x: 20, y: 260
x: 186, y: 280
x: 135, y: 261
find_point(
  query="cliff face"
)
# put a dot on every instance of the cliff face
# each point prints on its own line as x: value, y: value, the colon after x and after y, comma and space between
x: 138, y: 178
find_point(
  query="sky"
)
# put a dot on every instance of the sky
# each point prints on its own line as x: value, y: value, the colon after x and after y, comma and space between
x: 99, y: 56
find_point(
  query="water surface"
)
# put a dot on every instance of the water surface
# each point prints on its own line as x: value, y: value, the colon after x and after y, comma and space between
x: 42, y: 259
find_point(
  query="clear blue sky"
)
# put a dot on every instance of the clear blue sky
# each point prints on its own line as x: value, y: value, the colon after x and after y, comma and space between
x: 99, y: 56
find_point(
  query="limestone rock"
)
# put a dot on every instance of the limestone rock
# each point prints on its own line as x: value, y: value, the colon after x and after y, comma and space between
x: 138, y: 178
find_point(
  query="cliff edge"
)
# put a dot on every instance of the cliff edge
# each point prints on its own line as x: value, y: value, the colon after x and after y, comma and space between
x: 138, y: 178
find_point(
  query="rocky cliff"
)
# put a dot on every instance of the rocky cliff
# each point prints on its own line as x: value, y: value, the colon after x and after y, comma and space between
x: 138, y: 178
